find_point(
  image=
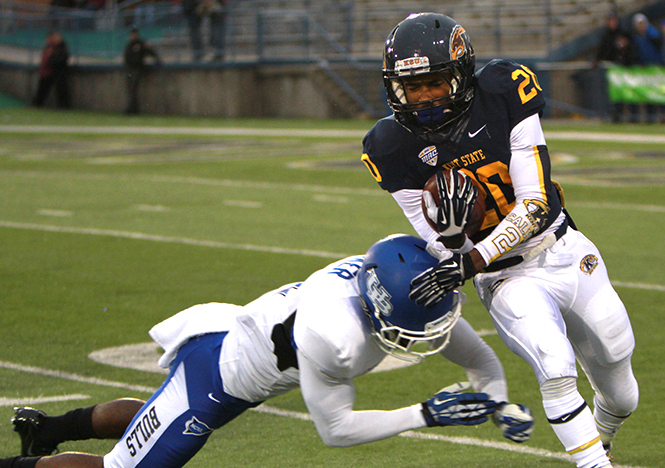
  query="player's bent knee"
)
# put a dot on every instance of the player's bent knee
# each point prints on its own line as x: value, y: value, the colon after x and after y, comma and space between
x: 621, y: 398
x: 554, y: 389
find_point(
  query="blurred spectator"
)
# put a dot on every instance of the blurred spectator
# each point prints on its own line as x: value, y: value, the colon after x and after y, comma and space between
x: 662, y: 35
x: 53, y: 70
x: 617, y: 46
x: 216, y: 10
x: 649, y: 44
x: 136, y: 52
x: 194, y: 20
x: 648, y: 40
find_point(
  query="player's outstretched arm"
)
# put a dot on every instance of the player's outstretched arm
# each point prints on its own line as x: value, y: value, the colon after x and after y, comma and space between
x: 330, y: 403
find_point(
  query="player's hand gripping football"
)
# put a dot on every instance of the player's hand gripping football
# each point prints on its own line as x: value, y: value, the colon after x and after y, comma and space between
x: 433, y: 284
x: 449, y: 407
x: 514, y: 420
x: 456, y: 198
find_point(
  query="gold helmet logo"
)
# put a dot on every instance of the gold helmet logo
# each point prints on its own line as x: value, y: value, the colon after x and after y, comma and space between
x: 457, y: 43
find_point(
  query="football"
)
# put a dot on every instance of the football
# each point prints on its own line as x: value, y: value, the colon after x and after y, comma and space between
x: 477, y: 215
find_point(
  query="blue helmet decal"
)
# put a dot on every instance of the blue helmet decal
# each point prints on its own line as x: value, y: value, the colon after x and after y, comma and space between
x: 377, y: 294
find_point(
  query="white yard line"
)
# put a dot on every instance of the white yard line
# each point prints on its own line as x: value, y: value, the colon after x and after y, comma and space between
x: 226, y: 245
x: 174, y: 240
x: 646, y: 287
x: 243, y: 184
x: 605, y: 137
x: 288, y: 132
x: 40, y: 400
x: 208, y: 131
x: 75, y: 377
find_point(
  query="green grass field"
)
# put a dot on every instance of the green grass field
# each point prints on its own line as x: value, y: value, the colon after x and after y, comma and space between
x: 105, y: 232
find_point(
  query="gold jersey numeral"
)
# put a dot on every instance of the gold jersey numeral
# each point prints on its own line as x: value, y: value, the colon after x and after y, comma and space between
x: 528, y: 79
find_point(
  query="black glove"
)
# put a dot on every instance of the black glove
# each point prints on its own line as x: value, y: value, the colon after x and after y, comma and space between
x: 433, y: 284
x: 455, y: 202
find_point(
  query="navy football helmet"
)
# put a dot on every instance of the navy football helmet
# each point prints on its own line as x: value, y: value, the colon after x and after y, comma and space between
x: 430, y: 43
x: 403, y: 329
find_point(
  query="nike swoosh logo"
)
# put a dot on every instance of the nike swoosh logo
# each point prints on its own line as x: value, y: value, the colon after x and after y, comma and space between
x: 436, y: 401
x: 566, y: 418
x: 214, y: 399
x: 471, y: 135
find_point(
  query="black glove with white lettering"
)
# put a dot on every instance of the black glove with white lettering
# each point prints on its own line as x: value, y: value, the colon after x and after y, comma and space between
x: 433, y: 284
x: 457, y: 196
x: 457, y: 409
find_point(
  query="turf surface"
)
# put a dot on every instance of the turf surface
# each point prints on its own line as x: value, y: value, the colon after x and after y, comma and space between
x: 103, y: 235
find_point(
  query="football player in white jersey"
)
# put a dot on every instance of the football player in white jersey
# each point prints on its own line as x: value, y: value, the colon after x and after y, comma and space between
x: 320, y: 334
x: 543, y: 282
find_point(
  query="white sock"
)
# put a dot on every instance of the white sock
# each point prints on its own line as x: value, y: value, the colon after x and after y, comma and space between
x: 573, y: 423
x: 607, y: 423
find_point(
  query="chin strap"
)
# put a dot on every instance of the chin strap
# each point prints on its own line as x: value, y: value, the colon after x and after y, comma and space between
x: 460, y: 128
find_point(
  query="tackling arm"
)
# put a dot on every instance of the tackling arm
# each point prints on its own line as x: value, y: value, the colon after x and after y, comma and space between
x: 485, y: 374
x: 481, y: 364
x: 330, y: 403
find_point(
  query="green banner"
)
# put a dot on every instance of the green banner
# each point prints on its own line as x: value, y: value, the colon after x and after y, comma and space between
x: 637, y: 84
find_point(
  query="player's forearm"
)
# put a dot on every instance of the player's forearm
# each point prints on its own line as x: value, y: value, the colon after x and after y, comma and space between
x: 359, y: 427
x: 530, y: 178
x: 410, y: 202
x: 514, y: 230
x: 330, y: 402
x: 481, y: 364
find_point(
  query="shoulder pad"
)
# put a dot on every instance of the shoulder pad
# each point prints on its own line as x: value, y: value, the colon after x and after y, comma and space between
x: 514, y: 84
x: 388, y: 149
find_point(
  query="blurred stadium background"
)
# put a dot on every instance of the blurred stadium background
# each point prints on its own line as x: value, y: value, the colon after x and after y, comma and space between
x: 323, y: 57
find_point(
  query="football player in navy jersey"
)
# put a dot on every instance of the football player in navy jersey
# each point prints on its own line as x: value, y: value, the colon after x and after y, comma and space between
x: 543, y: 282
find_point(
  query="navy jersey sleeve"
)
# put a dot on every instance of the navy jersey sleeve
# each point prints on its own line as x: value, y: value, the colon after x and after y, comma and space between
x: 388, y: 154
x: 516, y: 86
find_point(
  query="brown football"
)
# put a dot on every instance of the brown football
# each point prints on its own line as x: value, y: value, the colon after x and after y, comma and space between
x: 477, y: 213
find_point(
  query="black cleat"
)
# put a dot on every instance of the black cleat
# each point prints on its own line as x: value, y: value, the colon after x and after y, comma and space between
x: 28, y: 423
